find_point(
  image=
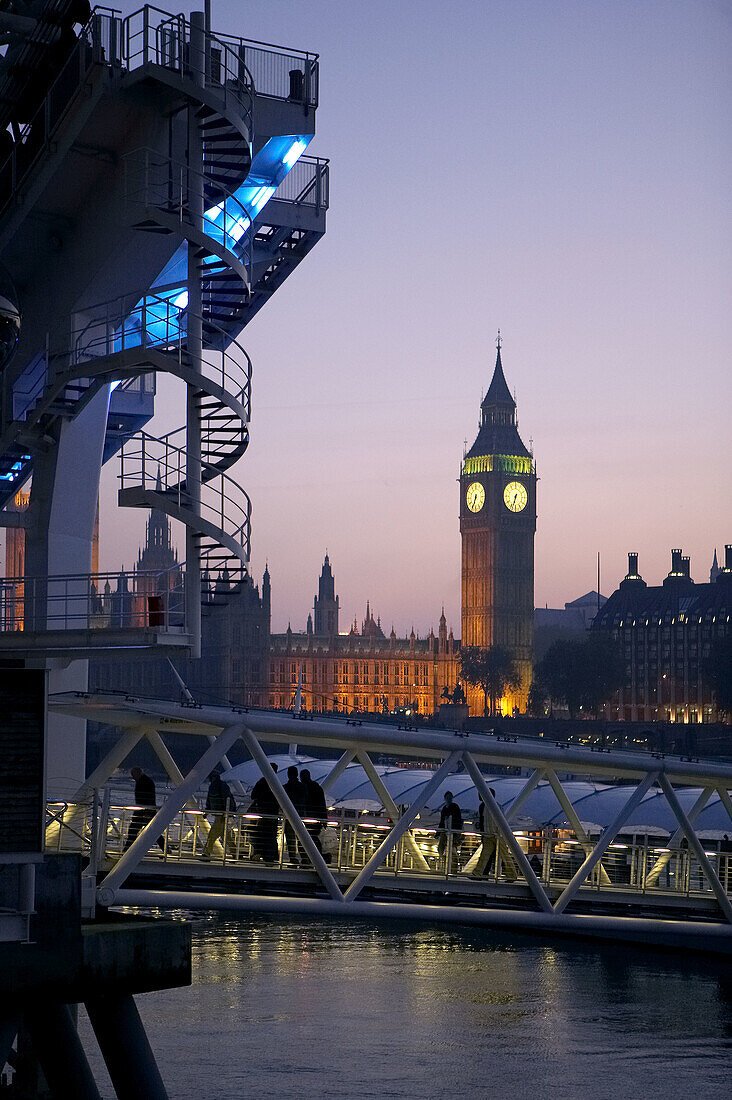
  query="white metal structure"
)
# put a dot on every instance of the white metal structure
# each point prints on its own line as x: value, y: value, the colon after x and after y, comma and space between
x: 545, y: 762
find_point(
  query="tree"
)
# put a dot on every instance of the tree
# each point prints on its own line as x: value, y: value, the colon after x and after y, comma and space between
x: 537, y: 699
x: 717, y: 672
x: 492, y: 670
x: 582, y: 673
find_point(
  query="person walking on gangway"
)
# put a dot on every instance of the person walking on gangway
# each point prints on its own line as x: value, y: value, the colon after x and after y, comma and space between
x: 314, y: 807
x: 296, y: 794
x: 491, y: 847
x: 219, y: 801
x: 144, y: 797
x: 264, y: 803
x: 451, y: 824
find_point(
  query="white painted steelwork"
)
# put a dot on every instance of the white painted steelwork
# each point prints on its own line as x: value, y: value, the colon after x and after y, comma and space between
x: 453, y: 748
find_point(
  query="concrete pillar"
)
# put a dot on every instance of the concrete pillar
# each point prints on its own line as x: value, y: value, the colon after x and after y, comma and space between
x: 58, y: 1048
x: 59, y: 542
x: 126, y: 1048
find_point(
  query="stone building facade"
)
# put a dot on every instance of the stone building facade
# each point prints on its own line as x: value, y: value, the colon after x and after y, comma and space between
x: 362, y: 670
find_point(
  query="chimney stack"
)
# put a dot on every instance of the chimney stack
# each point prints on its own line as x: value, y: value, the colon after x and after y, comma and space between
x: 728, y: 558
x: 632, y: 565
x: 676, y: 567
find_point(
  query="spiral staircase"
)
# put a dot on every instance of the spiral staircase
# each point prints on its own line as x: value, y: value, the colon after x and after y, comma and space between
x: 240, y: 255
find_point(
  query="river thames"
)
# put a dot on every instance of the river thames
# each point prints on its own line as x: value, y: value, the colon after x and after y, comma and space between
x: 282, y: 1008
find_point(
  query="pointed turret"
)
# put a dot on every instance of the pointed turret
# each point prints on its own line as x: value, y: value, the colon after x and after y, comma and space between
x: 714, y: 571
x: 499, y: 399
x: 326, y: 604
x: 498, y: 434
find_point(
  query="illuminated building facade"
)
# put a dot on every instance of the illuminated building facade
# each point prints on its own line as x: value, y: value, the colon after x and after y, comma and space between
x: 363, y: 670
x: 497, y: 525
x: 666, y: 632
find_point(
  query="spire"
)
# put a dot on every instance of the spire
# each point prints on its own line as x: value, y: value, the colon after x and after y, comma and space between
x: 498, y: 392
x: 158, y: 481
x: 497, y: 428
x: 714, y: 571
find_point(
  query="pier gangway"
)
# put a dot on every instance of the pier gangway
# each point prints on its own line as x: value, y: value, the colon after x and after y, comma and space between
x: 616, y: 878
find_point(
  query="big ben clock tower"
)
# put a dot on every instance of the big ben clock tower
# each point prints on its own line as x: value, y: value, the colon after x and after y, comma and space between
x: 497, y: 525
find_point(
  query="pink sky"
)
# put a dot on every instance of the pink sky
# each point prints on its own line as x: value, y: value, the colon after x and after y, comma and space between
x: 560, y: 171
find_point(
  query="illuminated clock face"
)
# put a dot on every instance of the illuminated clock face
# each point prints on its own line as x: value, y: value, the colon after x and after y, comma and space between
x: 475, y: 496
x: 515, y: 496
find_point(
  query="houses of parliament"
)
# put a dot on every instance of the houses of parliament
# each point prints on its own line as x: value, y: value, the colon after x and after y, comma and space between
x: 362, y: 668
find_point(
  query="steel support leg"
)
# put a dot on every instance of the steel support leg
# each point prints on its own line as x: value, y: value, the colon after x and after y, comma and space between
x: 172, y: 805
x: 675, y: 841
x: 270, y: 775
x: 507, y: 833
x: 696, y: 846
x: 335, y: 774
x: 114, y: 758
x: 401, y: 824
x: 389, y: 804
x: 194, y: 337
x: 572, y: 818
x: 127, y: 1052
x: 74, y: 815
x: 528, y: 789
x: 604, y: 842
x: 726, y: 800
x: 165, y: 757
x: 58, y: 1048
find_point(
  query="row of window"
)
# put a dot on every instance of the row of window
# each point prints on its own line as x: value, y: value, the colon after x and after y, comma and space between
x: 377, y: 673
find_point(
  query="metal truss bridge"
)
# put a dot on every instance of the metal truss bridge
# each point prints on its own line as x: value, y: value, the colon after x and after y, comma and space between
x: 543, y: 879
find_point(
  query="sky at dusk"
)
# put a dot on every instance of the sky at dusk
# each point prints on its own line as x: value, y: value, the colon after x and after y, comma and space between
x: 558, y: 170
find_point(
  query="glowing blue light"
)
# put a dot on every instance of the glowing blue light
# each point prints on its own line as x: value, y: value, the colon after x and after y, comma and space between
x: 182, y: 300
x: 261, y: 196
x: 113, y: 385
x: 295, y: 151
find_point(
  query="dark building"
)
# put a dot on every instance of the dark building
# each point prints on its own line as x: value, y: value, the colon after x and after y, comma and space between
x: 571, y: 621
x: 497, y: 525
x: 233, y: 666
x: 665, y: 633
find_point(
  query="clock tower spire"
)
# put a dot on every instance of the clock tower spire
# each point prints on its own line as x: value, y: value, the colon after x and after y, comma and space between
x: 497, y: 525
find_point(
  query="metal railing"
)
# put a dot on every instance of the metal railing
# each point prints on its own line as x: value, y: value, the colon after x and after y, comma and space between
x: 152, y: 180
x: 120, y: 325
x: 278, y: 72
x: 159, y: 464
x: 93, y: 601
x: 153, y: 36
x: 306, y: 184
x: 251, y: 838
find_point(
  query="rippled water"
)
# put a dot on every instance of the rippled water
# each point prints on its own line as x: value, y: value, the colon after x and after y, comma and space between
x: 282, y: 1008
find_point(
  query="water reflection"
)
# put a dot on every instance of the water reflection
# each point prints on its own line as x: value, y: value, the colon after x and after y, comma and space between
x: 283, y: 1007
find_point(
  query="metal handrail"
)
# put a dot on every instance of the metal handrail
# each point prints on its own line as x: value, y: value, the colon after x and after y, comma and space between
x: 93, y: 601
x: 357, y: 841
x: 268, y: 65
x: 159, y: 465
x: 167, y: 42
x: 118, y: 325
x: 154, y: 322
x: 152, y: 180
x: 306, y: 184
